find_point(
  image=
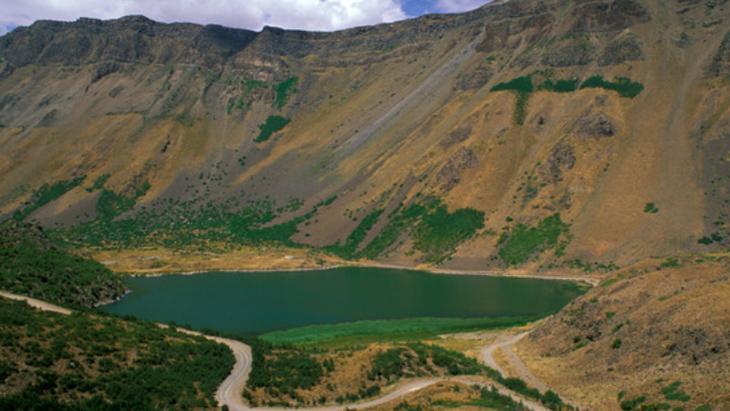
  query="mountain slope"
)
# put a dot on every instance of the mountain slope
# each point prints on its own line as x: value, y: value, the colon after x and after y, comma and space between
x: 176, y: 134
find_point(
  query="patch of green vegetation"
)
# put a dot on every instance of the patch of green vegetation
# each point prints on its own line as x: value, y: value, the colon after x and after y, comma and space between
x: 712, y: 238
x: 90, y: 361
x: 284, y: 90
x: 559, y: 86
x: 589, y: 267
x: 622, y: 85
x: 240, y: 103
x: 45, y: 195
x: 519, y: 85
x: 435, y: 232
x: 363, y: 332
x: 671, y: 262
x: 616, y: 344
x: 272, y: 125
x: 415, y: 359
x: 98, y: 183
x: 327, y: 201
x: 31, y: 265
x: 609, y: 282
x: 629, y: 405
x: 439, y: 232
x: 250, y: 85
x: 520, y: 386
x: 673, y: 392
x: 516, y: 247
x: 579, y: 342
x: 522, y: 87
x: 492, y: 399
x: 110, y: 204
x: 181, y: 225
x: 550, y: 399
x: 186, y: 119
x: 651, y: 208
x: 283, y: 369
x: 349, y: 249
x: 399, y: 222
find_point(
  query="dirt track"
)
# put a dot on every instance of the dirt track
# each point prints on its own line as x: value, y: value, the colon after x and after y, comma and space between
x: 229, y: 392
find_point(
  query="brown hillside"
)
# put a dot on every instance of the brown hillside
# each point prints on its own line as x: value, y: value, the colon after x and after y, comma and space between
x: 386, y: 115
x: 640, y: 331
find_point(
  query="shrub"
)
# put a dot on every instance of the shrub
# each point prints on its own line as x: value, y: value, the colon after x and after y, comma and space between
x: 522, y: 87
x: 651, y: 208
x: 672, y: 392
x: 552, y: 400
x: 45, y: 194
x: 31, y: 265
x: 283, y: 90
x: 519, y: 85
x: 400, y: 221
x: 616, y: 344
x: 113, y: 361
x: 440, y: 232
x: 622, y: 85
x: 283, y: 368
x: 713, y: 238
x: 388, y: 364
x: 99, y: 183
x: 435, y: 232
x: 629, y: 405
x: 272, y: 125
x: 520, y: 386
x: 671, y: 262
x: 559, y: 86
x: 349, y: 249
x: 524, y: 241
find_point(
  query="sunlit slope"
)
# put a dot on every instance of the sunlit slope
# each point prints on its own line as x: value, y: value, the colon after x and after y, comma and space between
x: 160, y: 117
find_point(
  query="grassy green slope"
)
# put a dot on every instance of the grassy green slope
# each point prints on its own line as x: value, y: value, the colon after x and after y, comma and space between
x: 32, y: 265
x: 92, y: 362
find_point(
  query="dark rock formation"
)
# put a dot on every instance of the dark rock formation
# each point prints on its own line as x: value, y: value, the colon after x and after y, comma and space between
x: 562, y: 158
x: 596, y: 126
x: 474, y: 80
x: 575, y: 53
x: 608, y: 15
x: 457, y: 136
x: 721, y: 62
x: 620, y: 51
x: 103, y: 70
x: 450, y: 175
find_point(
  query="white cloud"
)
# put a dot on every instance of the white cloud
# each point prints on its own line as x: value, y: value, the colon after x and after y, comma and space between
x: 251, y: 14
x: 454, y: 6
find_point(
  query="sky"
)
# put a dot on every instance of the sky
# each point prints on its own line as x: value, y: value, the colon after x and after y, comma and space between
x: 321, y: 15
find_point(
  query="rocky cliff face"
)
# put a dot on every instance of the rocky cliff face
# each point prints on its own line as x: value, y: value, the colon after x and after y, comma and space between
x: 593, y: 110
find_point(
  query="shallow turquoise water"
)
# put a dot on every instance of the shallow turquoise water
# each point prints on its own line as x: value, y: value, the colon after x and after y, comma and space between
x: 253, y: 303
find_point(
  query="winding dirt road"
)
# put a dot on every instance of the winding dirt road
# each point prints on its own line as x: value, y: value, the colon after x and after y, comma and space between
x: 505, y: 343
x: 229, y: 392
x: 41, y: 305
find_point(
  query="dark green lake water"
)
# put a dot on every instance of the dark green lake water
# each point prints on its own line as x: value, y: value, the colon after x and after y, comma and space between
x: 253, y: 303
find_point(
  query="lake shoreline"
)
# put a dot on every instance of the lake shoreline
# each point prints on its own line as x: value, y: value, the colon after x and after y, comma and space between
x: 590, y: 280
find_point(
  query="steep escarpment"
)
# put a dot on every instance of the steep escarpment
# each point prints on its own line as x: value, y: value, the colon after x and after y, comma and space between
x: 523, y: 134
